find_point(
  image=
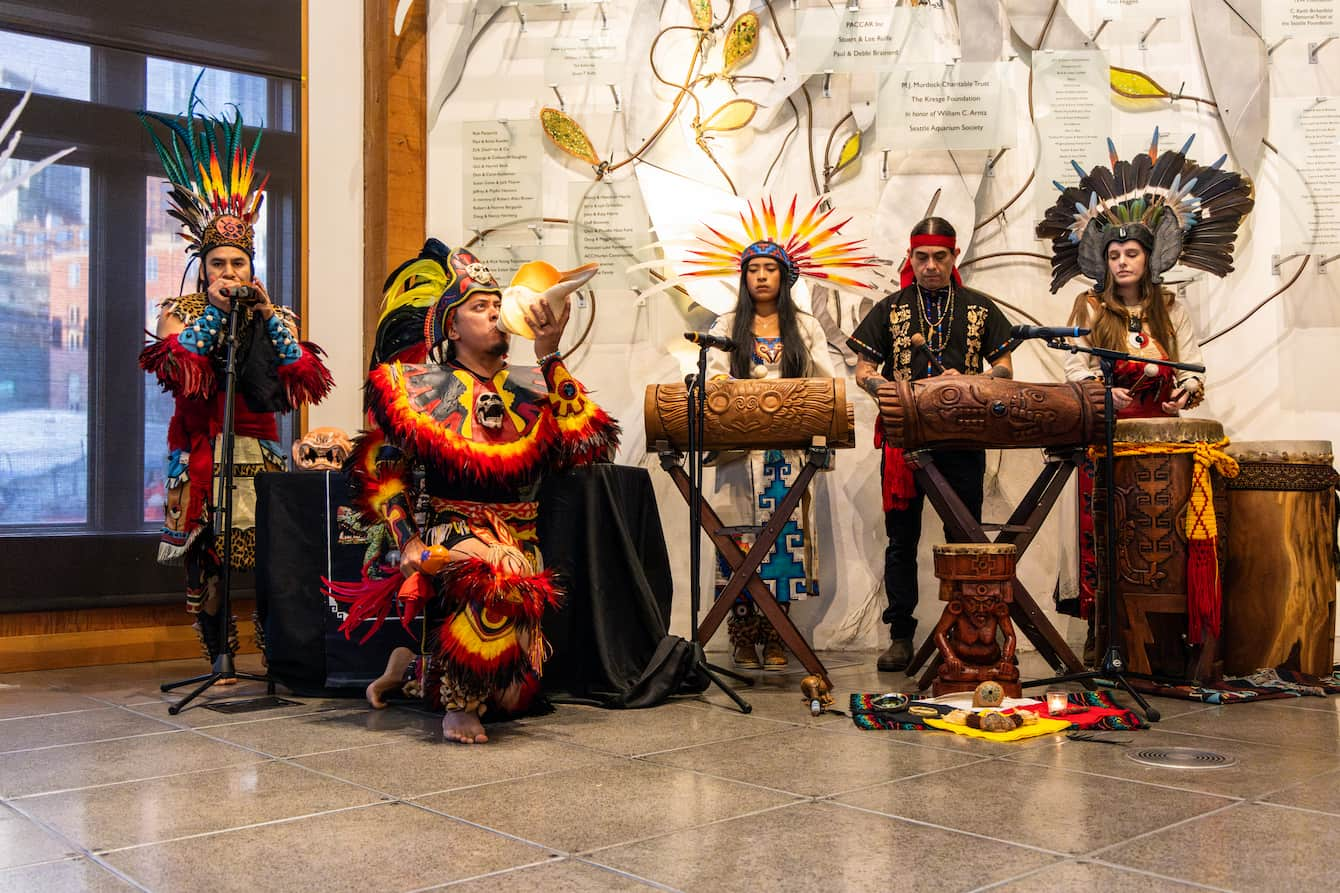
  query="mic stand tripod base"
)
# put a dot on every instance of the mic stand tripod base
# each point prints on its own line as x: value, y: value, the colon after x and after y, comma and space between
x: 714, y: 673
x: 224, y: 668
x: 1113, y: 671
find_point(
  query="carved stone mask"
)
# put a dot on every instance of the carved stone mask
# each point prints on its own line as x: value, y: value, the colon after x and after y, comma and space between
x: 322, y: 449
x: 489, y: 410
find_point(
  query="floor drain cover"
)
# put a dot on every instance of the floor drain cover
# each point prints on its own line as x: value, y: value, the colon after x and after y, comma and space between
x: 1181, y: 758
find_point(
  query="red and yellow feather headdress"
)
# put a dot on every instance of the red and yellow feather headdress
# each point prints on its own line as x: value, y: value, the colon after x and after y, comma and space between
x: 810, y: 246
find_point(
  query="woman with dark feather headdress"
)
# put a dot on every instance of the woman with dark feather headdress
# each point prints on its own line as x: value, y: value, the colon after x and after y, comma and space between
x: 1124, y: 228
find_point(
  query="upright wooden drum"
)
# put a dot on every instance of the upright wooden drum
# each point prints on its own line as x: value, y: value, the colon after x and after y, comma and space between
x: 1279, y: 583
x: 1154, y: 465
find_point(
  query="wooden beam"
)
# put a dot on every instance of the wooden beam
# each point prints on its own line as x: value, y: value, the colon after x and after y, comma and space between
x: 395, y: 138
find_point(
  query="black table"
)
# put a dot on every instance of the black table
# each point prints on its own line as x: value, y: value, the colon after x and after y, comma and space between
x: 599, y: 529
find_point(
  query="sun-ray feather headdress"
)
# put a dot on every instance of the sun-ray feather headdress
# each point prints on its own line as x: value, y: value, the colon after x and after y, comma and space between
x: 1182, y: 212
x: 811, y: 247
x: 211, y: 172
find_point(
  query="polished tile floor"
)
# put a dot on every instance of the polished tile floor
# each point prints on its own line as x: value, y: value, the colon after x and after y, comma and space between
x: 100, y: 789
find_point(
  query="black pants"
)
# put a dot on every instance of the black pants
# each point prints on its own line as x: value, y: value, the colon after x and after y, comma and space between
x: 963, y: 469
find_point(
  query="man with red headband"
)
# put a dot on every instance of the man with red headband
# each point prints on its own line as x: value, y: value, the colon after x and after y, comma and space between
x: 957, y: 331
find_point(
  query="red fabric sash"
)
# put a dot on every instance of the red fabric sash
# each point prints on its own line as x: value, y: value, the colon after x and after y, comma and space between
x: 905, y: 274
x: 898, y: 485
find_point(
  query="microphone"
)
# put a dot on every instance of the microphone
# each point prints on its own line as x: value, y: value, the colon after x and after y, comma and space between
x: 702, y: 339
x: 1047, y: 332
x: 236, y: 292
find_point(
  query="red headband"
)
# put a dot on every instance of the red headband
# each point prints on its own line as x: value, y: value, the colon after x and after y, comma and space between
x: 906, y: 276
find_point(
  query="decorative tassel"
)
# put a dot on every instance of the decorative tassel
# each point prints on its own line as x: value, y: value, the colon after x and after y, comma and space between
x: 1203, y: 597
x: 539, y: 651
x: 372, y: 599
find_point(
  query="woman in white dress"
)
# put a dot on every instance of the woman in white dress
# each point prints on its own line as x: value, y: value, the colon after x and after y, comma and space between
x: 774, y: 339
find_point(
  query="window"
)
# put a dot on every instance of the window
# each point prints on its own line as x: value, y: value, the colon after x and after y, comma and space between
x: 82, y: 429
x: 43, y: 433
x: 50, y: 67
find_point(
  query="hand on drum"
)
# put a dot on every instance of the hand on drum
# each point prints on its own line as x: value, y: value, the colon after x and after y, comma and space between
x: 1121, y: 398
x: 1178, y: 401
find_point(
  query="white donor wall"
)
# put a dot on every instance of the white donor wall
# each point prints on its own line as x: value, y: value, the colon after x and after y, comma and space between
x: 970, y: 108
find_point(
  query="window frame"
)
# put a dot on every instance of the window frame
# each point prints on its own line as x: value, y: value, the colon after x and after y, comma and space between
x: 110, y: 559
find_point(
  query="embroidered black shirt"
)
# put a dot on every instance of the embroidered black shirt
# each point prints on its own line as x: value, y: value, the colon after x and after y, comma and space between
x: 961, y: 333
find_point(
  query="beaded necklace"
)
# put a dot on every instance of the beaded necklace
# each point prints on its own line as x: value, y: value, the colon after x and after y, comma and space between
x: 938, y: 330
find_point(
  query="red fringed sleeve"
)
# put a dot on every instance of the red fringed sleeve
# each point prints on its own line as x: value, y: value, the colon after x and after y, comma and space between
x: 181, y: 371
x: 306, y: 379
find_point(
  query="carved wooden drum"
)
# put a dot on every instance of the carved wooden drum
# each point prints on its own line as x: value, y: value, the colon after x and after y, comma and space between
x: 1153, y: 469
x: 977, y: 411
x: 1279, y: 581
x: 753, y: 414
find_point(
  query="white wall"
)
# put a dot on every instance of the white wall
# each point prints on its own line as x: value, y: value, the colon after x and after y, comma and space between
x: 335, y: 204
x: 1270, y: 379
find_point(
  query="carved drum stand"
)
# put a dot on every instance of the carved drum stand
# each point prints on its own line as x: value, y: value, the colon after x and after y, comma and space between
x: 975, y: 636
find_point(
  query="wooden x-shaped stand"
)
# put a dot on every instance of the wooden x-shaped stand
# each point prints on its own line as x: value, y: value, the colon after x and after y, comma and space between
x: 1019, y: 530
x: 744, y: 566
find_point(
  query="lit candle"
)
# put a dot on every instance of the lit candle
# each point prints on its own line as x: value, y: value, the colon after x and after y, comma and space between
x: 1057, y: 702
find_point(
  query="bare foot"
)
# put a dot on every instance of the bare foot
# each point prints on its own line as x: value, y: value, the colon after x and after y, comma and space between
x: 464, y: 727
x: 226, y: 680
x: 391, y: 679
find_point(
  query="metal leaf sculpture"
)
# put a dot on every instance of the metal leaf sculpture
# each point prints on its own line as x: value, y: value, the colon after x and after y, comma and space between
x: 731, y: 116
x: 851, y: 150
x: 568, y: 135
x: 702, y: 14
x: 741, y: 42
x: 1135, y: 84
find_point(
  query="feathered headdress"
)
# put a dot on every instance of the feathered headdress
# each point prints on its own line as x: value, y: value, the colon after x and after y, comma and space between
x: 809, y: 247
x: 1181, y: 211
x: 211, y: 172
x: 418, y: 297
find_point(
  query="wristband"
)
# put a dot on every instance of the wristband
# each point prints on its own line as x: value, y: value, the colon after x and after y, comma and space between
x: 549, y: 358
x: 286, y: 346
x: 203, y: 332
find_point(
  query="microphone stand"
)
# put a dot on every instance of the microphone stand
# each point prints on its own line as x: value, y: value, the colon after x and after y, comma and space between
x: 697, y: 397
x: 224, y: 665
x: 1114, y: 662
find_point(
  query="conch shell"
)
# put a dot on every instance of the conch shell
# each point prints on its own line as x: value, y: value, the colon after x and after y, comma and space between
x: 538, y: 281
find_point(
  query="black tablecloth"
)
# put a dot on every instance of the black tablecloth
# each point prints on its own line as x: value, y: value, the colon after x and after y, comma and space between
x: 306, y: 528
x: 599, y: 528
